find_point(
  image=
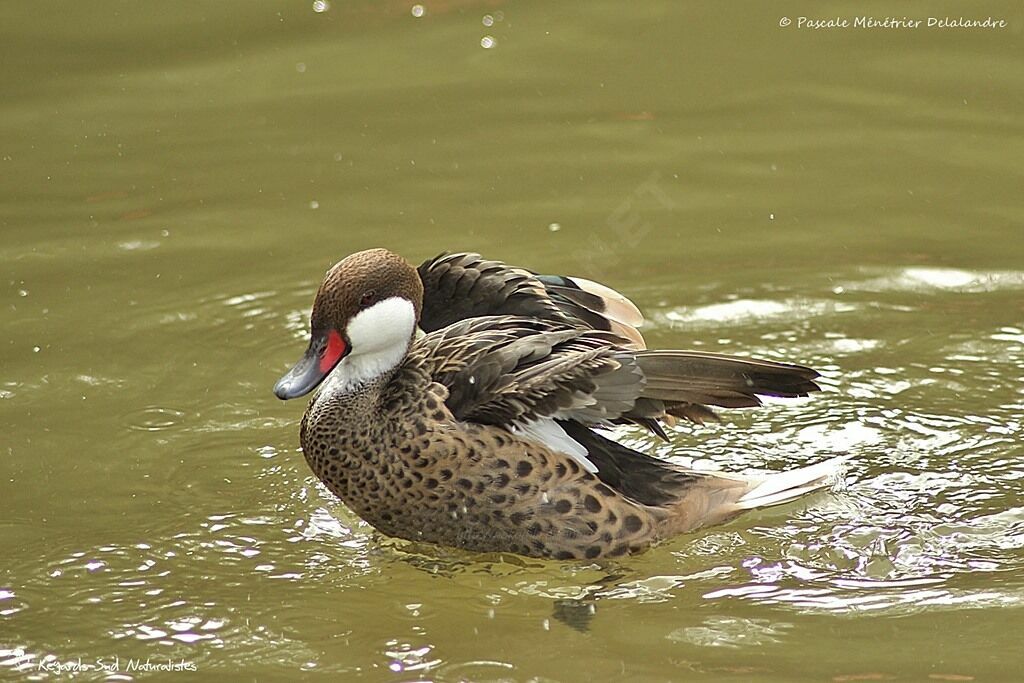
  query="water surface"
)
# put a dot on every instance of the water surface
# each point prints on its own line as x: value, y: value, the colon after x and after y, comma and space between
x: 175, y: 180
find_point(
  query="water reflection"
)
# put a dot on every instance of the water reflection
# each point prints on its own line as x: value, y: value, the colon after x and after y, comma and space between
x: 732, y: 632
x: 937, y: 279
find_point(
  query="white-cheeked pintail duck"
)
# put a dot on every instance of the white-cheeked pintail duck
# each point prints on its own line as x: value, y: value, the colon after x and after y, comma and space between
x: 480, y: 430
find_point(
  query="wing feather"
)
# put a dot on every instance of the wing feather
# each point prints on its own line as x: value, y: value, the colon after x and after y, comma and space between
x: 505, y: 370
x: 465, y: 285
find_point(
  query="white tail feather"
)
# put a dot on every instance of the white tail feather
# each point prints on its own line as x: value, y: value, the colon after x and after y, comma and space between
x: 776, y: 489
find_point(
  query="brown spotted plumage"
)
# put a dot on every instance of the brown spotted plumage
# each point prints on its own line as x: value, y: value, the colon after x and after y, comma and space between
x: 481, y: 434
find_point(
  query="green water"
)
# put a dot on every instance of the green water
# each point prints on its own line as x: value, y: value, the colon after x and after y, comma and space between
x: 175, y: 177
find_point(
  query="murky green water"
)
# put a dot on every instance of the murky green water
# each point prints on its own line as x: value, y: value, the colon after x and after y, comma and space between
x: 174, y: 178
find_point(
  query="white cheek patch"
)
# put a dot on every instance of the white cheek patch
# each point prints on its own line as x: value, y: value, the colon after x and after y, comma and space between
x: 379, y: 337
x: 385, y: 324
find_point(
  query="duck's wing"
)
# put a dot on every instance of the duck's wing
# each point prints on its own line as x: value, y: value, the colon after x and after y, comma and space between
x: 504, y: 370
x: 465, y: 285
x: 509, y: 371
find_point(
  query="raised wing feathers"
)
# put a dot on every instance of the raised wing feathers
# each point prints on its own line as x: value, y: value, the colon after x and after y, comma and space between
x: 461, y: 286
x: 510, y: 345
x: 464, y: 285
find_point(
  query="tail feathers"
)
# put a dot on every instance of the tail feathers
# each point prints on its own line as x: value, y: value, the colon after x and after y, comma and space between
x: 776, y: 489
x: 724, y: 381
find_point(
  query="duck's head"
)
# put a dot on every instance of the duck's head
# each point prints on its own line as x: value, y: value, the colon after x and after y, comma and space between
x: 364, y: 318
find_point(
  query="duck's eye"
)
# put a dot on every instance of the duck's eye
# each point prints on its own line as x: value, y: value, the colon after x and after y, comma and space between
x: 367, y: 299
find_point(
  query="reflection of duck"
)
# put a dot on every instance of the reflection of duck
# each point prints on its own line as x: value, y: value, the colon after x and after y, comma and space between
x: 479, y: 434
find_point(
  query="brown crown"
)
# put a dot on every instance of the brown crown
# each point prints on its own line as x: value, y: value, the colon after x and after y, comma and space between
x: 361, y: 280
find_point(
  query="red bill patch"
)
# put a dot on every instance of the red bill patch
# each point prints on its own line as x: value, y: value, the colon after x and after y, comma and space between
x: 333, y: 353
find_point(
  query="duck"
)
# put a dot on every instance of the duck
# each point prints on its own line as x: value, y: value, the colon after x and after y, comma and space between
x: 471, y: 404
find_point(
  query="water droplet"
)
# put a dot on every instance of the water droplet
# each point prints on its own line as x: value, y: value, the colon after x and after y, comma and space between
x: 314, y: 204
x: 321, y: 6
x: 555, y: 227
x: 488, y: 20
x: 22, y: 292
x: 418, y: 11
x: 35, y: 349
x: 771, y: 216
x: 487, y: 42
x: 301, y: 67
